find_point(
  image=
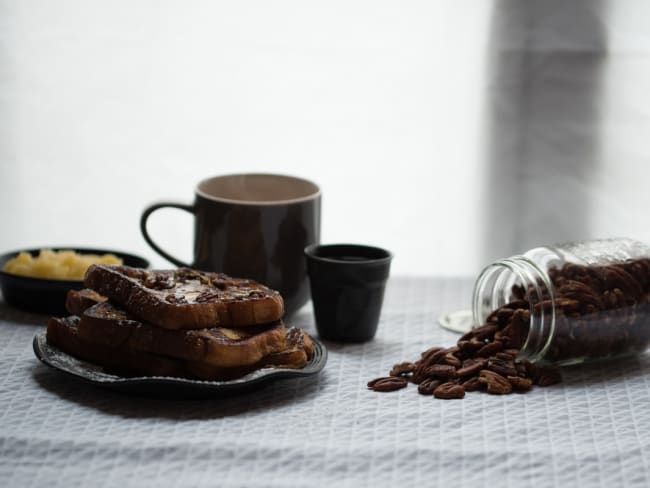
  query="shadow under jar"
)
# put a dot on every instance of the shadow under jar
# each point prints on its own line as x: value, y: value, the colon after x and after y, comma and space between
x: 569, y: 303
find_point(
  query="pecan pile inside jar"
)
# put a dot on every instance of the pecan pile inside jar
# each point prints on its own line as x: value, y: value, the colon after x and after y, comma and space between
x: 588, y: 313
x: 601, y: 311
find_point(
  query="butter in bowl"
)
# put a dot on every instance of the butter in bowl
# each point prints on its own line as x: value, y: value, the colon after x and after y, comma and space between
x: 37, y: 280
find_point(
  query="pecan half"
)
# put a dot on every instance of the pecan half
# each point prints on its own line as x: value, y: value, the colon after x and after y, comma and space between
x: 519, y: 383
x: 485, y: 332
x: 504, y: 315
x: 175, y: 299
x: 471, y: 367
x: 490, y: 349
x: 443, y: 371
x: 470, y: 346
x: 428, y: 386
x: 449, y: 391
x: 430, y: 351
x: 401, y: 369
x: 387, y: 383
x: 472, y: 384
x: 452, y: 360
x: 434, y: 356
x: 496, y: 384
x: 506, y: 356
x: 158, y: 281
x: 206, y: 296
x: 617, y: 277
x: 502, y: 367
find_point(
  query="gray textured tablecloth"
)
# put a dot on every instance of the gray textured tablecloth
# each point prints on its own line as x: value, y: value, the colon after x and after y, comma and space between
x: 592, y: 430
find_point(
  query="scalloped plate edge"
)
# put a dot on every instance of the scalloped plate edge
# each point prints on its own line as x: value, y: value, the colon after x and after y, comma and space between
x: 158, y: 385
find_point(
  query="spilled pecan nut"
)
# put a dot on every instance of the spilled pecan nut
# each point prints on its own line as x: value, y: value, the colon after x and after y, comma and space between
x: 484, y: 332
x: 502, y: 367
x: 387, y: 383
x: 519, y: 383
x: 472, y: 384
x: 443, y: 371
x: 490, y: 349
x: 401, y: 369
x: 471, y: 367
x: 435, y: 356
x: 449, y: 391
x: 452, y: 360
x: 428, y: 386
x: 431, y: 350
x: 495, y: 383
x: 470, y: 347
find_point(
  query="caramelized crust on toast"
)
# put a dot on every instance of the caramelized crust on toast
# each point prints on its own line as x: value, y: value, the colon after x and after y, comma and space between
x: 186, y: 298
x: 64, y: 334
x: 222, y: 347
x: 299, y: 350
x: 178, y: 323
x: 76, y: 301
x: 296, y: 355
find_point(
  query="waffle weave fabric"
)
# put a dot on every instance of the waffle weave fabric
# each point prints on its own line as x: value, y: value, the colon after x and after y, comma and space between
x: 592, y: 430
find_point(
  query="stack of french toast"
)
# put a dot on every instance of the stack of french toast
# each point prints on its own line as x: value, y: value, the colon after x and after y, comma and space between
x: 181, y: 323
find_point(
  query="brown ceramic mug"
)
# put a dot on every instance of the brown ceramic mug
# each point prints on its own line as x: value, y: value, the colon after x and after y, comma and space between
x: 252, y: 226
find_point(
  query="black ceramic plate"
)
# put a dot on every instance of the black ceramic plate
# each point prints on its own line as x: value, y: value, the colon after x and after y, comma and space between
x: 176, y: 388
x: 45, y: 295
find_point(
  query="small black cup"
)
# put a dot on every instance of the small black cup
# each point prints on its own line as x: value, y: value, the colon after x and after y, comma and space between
x: 347, y: 289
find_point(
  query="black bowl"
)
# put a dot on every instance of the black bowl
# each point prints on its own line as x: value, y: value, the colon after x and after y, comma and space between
x: 48, y: 295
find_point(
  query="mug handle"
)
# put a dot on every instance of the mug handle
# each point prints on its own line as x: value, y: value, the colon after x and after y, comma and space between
x: 143, y: 228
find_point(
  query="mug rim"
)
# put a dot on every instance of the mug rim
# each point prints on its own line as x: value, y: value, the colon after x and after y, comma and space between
x: 311, y: 196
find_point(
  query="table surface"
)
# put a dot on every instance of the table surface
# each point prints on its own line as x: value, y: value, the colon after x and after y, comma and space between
x: 329, y: 430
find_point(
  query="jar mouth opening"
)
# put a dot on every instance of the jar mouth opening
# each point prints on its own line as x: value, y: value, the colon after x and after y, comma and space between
x: 494, y: 289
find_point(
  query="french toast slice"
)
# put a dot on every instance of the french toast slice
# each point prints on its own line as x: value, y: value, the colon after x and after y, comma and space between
x: 299, y: 350
x: 64, y: 334
x: 106, y: 324
x: 121, y: 360
x: 185, y: 298
x: 76, y: 301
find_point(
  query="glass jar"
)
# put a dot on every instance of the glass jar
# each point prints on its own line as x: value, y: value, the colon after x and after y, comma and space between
x: 569, y: 303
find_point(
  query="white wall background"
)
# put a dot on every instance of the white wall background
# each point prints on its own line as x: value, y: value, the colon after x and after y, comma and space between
x: 107, y: 106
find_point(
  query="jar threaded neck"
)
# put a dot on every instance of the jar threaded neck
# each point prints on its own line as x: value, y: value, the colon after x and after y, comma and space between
x: 495, y: 287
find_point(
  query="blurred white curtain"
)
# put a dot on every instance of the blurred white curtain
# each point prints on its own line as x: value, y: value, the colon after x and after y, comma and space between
x: 108, y: 105
x: 568, y: 124
x: 452, y: 132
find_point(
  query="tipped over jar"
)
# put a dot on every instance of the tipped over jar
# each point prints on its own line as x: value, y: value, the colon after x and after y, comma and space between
x: 569, y: 303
